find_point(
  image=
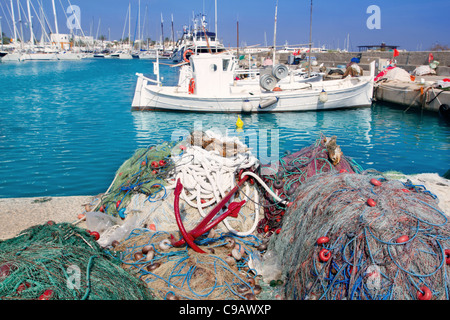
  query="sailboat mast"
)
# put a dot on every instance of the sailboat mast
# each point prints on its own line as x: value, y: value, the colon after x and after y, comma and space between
x: 56, y: 23
x: 310, y: 42
x: 1, y: 32
x: 129, y: 25
x: 139, y: 24
x: 21, y: 25
x: 162, y: 32
x: 14, y: 22
x: 237, y: 40
x: 30, y: 23
x: 173, y: 32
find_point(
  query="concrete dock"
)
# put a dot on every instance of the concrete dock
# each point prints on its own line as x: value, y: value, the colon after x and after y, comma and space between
x: 408, y: 94
x: 413, y: 94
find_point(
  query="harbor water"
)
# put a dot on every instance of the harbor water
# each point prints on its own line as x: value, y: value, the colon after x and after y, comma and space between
x: 66, y: 126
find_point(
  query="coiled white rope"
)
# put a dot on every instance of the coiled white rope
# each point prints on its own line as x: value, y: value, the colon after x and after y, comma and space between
x: 207, y: 176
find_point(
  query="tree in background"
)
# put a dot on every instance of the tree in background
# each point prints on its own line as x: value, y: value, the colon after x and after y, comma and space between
x: 439, y: 47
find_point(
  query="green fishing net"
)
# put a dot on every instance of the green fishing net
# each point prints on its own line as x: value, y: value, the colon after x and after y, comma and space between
x: 143, y: 173
x: 63, y: 262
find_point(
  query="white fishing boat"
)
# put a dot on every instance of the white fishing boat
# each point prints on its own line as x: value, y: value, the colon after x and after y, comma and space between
x: 208, y: 84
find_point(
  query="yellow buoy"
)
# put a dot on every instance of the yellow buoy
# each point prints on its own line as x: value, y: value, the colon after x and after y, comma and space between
x: 239, y: 123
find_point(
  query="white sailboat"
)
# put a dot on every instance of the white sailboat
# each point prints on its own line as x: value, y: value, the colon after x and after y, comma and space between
x: 208, y: 84
x: 125, y: 53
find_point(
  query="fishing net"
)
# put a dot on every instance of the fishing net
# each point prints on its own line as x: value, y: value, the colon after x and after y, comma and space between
x: 293, y: 170
x: 63, y: 262
x: 143, y: 173
x: 208, y: 166
x: 362, y: 236
x: 180, y: 273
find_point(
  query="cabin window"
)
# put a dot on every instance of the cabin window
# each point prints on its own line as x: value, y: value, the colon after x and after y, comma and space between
x: 226, y: 63
x: 213, y: 67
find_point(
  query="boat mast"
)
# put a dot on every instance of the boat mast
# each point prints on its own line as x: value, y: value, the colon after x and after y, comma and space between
x: 21, y: 25
x: 237, y: 40
x: 275, y: 34
x: 30, y: 24
x: 173, y: 33
x: 14, y: 22
x: 129, y: 26
x: 1, y: 32
x: 139, y: 24
x: 162, y: 33
x: 215, y: 18
x: 310, y: 42
x: 56, y: 23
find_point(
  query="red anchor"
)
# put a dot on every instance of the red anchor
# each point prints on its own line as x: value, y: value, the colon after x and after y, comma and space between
x: 205, y: 225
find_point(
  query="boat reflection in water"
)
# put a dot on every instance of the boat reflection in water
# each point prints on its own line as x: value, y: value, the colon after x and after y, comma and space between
x: 268, y: 135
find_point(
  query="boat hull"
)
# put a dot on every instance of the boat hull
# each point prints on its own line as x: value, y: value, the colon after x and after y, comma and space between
x: 152, y: 97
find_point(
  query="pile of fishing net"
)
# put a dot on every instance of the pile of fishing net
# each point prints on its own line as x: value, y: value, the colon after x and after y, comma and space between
x: 363, y: 237
x: 286, y: 176
x: 63, y: 262
x: 206, y: 163
x: 140, y: 200
x: 174, y: 273
x: 144, y: 173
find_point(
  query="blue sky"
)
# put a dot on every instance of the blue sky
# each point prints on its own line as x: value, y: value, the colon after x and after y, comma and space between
x: 410, y: 24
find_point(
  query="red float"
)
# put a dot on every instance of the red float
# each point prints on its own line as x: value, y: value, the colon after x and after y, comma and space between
x: 424, y: 293
x: 323, y: 240
x: 375, y: 182
x: 402, y: 239
x: 371, y: 202
x: 447, y: 256
x: 324, y: 255
x: 47, y: 295
x: 95, y: 234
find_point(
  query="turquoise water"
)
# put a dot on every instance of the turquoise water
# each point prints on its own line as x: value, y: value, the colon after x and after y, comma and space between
x: 65, y: 128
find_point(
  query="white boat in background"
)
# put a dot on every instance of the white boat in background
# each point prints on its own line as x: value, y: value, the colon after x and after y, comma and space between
x: 121, y: 54
x: 64, y: 55
x: 195, y: 41
x: 11, y: 57
x: 146, y: 55
x: 208, y: 84
x: 38, y: 56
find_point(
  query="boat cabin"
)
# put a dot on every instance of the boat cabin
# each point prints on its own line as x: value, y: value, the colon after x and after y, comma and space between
x: 212, y: 73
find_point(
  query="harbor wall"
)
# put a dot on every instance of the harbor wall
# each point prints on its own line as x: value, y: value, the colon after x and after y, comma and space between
x: 406, y: 60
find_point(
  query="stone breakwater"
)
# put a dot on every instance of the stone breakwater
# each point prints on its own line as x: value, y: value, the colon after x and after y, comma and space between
x: 406, y: 60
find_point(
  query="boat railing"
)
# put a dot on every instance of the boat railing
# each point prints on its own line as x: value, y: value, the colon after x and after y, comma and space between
x: 251, y: 73
x: 140, y: 75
